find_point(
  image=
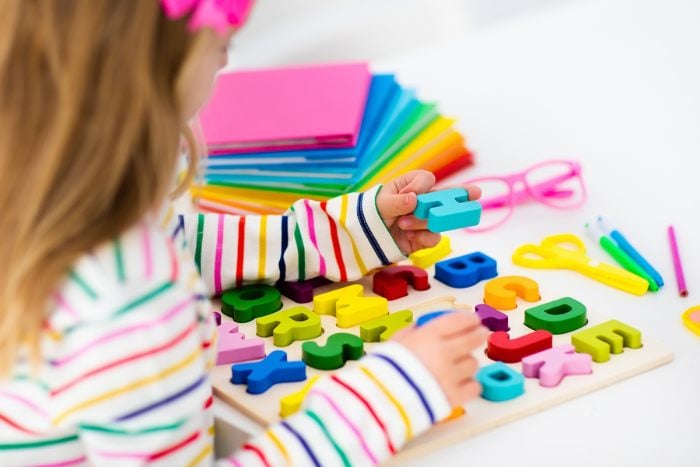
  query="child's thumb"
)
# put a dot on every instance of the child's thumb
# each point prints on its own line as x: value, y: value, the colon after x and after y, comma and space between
x: 396, y: 205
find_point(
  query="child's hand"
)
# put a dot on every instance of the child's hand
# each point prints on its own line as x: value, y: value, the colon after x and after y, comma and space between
x: 445, y: 346
x: 396, y: 202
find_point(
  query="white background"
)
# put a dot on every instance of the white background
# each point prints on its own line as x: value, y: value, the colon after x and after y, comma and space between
x: 614, y: 84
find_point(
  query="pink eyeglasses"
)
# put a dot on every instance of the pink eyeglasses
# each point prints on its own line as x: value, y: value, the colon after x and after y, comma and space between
x: 555, y: 183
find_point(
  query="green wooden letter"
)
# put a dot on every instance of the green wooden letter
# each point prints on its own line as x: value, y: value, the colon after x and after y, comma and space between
x: 607, y: 337
x: 286, y: 326
x: 558, y: 317
x: 339, y: 348
x: 381, y: 329
x: 251, y: 301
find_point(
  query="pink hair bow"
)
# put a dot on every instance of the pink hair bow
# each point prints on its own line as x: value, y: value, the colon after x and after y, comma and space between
x: 216, y: 14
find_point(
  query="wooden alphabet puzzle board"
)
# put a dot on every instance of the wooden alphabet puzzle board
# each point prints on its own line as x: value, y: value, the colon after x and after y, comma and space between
x: 481, y: 414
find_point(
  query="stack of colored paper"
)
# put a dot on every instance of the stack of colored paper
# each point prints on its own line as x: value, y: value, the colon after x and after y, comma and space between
x: 316, y: 132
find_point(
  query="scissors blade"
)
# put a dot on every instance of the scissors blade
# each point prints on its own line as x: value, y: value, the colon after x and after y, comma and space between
x: 555, y: 253
x: 615, y: 277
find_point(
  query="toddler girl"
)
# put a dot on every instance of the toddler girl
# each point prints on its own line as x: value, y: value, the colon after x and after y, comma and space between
x: 106, y: 334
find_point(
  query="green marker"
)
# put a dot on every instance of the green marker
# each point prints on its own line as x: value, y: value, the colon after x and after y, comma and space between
x: 622, y: 258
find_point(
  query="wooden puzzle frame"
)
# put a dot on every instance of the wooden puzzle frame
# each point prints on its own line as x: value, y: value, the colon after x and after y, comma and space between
x: 481, y: 414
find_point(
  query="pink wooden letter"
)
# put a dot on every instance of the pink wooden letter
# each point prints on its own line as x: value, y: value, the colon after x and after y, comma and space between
x: 553, y: 364
x: 234, y: 347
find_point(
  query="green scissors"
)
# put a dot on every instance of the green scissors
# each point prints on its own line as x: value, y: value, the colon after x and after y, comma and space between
x: 567, y: 251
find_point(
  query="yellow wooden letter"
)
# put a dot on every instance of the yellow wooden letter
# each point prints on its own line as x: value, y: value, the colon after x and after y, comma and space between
x: 291, y: 403
x: 349, y: 306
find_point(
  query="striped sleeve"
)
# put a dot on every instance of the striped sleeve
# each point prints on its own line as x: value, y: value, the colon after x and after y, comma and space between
x: 358, y: 416
x: 130, y: 376
x: 341, y: 239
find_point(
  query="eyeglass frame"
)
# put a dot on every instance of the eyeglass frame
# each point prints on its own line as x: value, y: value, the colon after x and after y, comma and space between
x: 515, y: 197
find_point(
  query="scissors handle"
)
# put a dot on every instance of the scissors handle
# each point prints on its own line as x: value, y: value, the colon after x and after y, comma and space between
x: 553, y: 254
x: 562, y: 243
x: 534, y: 256
x: 616, y: 277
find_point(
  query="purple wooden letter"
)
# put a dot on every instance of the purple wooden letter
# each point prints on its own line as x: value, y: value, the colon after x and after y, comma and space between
x: 492, y: 318
x: 301, y: 292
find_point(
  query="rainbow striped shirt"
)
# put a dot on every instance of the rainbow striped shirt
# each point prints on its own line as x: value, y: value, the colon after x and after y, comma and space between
x: 130, y: 339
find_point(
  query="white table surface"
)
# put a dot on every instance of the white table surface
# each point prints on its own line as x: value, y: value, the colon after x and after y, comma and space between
x: 616, y: 85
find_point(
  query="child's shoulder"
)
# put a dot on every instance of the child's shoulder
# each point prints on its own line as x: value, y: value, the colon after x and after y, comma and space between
x: 141, y: 264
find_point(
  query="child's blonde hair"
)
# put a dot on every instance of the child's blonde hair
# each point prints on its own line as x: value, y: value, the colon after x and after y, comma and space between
x: 91, y: 120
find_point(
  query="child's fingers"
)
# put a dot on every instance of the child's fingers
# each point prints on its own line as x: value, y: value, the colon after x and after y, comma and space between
x: 469, y: 389
x: 394, y: 205
x: 417, y: 181
x: 465, y: 367
x: 454, y: 323
x: 462, y: 391
x: 474, y: 192
x: 399, y: 335
x: 421, y: 239
x: 425, y: 238
x: 412, y: 223
x: 463, y: 344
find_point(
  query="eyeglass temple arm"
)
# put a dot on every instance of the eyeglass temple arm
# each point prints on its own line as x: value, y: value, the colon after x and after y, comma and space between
x: 545, y: 188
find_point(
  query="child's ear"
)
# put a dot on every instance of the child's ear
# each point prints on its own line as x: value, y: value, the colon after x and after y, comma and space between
x: 207, y: 56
